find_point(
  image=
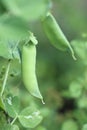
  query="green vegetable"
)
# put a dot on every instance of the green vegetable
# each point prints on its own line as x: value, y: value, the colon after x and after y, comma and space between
x: 28, y: 67
x: 55, y: 34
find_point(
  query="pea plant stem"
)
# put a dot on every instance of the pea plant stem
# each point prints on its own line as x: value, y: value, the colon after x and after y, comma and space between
x: 5, y: 78
x: 14, y: 120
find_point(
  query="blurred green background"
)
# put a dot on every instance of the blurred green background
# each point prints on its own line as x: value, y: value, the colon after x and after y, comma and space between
x: 62, y: 81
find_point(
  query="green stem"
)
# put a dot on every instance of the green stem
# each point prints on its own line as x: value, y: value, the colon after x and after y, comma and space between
x: 14, y: 120
x: 5, y: 79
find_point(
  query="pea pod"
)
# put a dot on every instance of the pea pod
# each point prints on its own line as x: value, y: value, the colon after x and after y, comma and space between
x: 28, y: 68
x: 55, y: 34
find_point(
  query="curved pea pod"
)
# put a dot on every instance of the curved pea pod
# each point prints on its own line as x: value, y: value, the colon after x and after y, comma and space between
x: 55, y: 34
x: 28, y: 69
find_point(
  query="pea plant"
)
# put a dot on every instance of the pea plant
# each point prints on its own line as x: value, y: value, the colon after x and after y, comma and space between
x: 18, y: 49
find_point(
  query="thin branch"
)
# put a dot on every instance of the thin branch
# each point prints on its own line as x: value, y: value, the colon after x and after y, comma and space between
x: 5, y: 79
x: 14, y: 120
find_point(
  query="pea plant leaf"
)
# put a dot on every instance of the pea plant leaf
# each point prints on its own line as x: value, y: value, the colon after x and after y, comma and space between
x: 13, y: 47
x: 75, y: 89
x: 12, y: 106
x: 13, y: 28
x: 9, y: 50
x: 82, y: 102
x: 30, y: 117
x: 80, y: 48
x: 41, y: 128
x: 14, y: 127
x: 5, y: 50
x: 28, y: 9
x: 84, y: 127
x: 10, y: 127
x: 69, y: 125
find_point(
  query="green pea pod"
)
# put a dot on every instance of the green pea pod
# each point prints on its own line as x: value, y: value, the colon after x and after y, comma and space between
x: 28, y: 68
x: 55, y: 34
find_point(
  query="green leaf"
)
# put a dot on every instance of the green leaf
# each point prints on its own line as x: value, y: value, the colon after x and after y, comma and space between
x: 80, y: 48
x: 75, y: 89
x: 9, y: 50
x: 69, y: 125
x: 82, y: 101
x: 12, y: 106
x: 84, y: 127
x: 10, y: 127
x: 16, y: 54
x: 13, y: 47
x: 45, y: 112
x: 13, y: 28
x: 80, y: 116
x: 41, y: 128
x: 14, y: 127
x: 30, y: 117
x: 28, y: 9
x: 2, y: 119
x: 5, y: 51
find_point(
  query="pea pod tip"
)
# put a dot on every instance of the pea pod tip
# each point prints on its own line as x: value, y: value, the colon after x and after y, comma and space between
x: 73, y: 56
x: 43, y: 101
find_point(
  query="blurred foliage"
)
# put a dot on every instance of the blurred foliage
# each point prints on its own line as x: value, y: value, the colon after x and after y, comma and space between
x: 62, y: 81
